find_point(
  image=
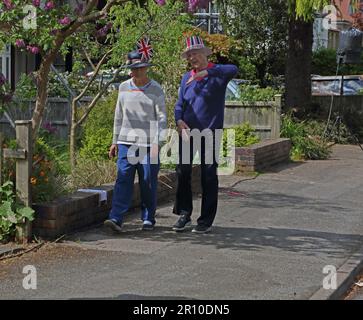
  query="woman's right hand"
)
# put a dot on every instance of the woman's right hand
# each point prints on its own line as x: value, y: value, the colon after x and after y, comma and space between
x: 183, y: 130
x: 113, y: 151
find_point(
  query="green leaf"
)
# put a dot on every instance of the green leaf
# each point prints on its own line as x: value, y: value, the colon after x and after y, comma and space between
x: 26, y: 212
x: 6, y: 209
x: 7, y: 183
x: 12, y: 218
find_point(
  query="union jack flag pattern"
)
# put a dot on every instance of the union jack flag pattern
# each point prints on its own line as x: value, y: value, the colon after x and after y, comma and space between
x: 145, y: 49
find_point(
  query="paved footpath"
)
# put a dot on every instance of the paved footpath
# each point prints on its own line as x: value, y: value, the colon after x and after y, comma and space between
x: 273, y: 236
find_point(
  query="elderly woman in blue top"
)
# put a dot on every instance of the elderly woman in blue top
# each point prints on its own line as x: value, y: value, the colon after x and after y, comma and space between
x: 200, y: 106
x: 140, y: 118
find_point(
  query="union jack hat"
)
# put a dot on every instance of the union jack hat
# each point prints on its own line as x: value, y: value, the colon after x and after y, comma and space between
x: 136, y: 60
x: 195, y: 43
x: 141, y: 56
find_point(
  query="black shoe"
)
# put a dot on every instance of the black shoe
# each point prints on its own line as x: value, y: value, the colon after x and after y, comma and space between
x: 183, y: 223
x: 113, y: 225
x: 201, y: 229
x: 147, y: 227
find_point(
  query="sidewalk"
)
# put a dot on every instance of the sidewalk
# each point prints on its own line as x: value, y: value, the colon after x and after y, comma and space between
x: 273, y: 236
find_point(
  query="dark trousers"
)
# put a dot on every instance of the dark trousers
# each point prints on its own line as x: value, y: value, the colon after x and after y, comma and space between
x: 184, y: 195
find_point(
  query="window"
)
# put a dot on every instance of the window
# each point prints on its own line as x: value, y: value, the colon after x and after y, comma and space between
x: 5, y: 65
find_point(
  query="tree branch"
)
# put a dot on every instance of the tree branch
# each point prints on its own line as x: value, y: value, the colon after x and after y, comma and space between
x: 95, y: 73
x: 89, y: 59
x: 97, y: 97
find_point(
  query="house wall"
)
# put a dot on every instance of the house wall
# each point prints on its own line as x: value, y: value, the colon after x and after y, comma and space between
x: 326, y: 30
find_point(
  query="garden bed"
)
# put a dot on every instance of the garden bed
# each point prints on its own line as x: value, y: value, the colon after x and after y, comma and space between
x: 261, y: 156
x: 83, y: 209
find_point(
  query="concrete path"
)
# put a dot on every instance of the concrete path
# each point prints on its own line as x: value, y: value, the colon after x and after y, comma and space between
x: 273, y: 236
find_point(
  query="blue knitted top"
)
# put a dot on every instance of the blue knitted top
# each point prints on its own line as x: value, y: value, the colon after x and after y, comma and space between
x: 201, y: 103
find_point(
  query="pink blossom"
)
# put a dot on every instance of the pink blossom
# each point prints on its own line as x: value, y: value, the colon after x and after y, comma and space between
x: 8, y: 4
x: 33, y: 49
x: 20, y: 43
x: 49, y: 5
x: 66, y: 20
x: 194, y: 4
x: 36, y: 3
x: 160, y: 2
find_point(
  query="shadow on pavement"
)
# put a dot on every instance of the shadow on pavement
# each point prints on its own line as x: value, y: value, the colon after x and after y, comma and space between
x: 256, y: 199
x: 306, y: 242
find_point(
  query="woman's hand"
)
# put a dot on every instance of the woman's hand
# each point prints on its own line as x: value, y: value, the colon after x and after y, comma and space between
x: 183, y: 130
x: 113, y: 151
x: 200, y: 74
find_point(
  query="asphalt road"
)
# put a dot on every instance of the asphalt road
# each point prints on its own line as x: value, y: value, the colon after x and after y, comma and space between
x: 273, y: 236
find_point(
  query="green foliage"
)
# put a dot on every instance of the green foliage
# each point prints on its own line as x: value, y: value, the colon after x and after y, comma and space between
x: 261, y: 35
x: 92, y: 172
x: 8, y: 167
x: 244, y: 136
x: 247, y: 70
x: 332, y: 133
x: 98, y: 129
x: 50, y: 167
x: 304, y: 145
x: 252, y: 93
x: 305, y: 9
x: 26, y: 88
x: 164, y: 25
x: 12, y: 214
x: 325, y: 64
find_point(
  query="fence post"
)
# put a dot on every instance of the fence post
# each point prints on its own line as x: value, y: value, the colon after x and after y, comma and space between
x: 23, y: 173
x: 276, y: 117
x: 1, y: 157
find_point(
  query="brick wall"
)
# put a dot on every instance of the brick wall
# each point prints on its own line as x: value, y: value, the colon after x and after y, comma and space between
x: 82, y: 209
x: 262, y: 155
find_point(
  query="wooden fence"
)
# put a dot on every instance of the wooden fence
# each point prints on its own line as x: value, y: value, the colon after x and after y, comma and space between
x: 57, y: 113
x: 264, y: 117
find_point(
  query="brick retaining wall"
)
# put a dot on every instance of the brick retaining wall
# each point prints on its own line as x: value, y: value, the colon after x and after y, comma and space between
x: 82, y: 209
x: 262, y: 155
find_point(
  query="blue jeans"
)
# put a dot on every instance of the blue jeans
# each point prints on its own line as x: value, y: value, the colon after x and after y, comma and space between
x: 124, y: 186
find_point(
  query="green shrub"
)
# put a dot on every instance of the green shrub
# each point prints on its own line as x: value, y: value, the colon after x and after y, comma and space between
x: 244, y: 136
x: 48, y: 172
x: 251, y: 93
x: 12, y: 214
x: 304, y: 145
x: 98, y: 129
x: 331, y: 133
x: 90, y: 173
x: 324, y: 63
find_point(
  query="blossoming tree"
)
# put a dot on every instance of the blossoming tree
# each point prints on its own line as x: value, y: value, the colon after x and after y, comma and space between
x: 48, y: 28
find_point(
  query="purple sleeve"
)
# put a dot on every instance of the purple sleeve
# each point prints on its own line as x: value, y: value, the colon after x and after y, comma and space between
x: 224, y: 71
x: 178, y: 111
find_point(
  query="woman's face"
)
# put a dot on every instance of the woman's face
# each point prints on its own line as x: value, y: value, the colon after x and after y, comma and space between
x: 197, y: 59
x: 139, y: 72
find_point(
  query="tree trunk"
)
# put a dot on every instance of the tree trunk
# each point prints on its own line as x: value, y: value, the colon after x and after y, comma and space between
x: 298, y: 66
x: 42, y: 92
x: 72, y: 137
x: 41, y: 99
